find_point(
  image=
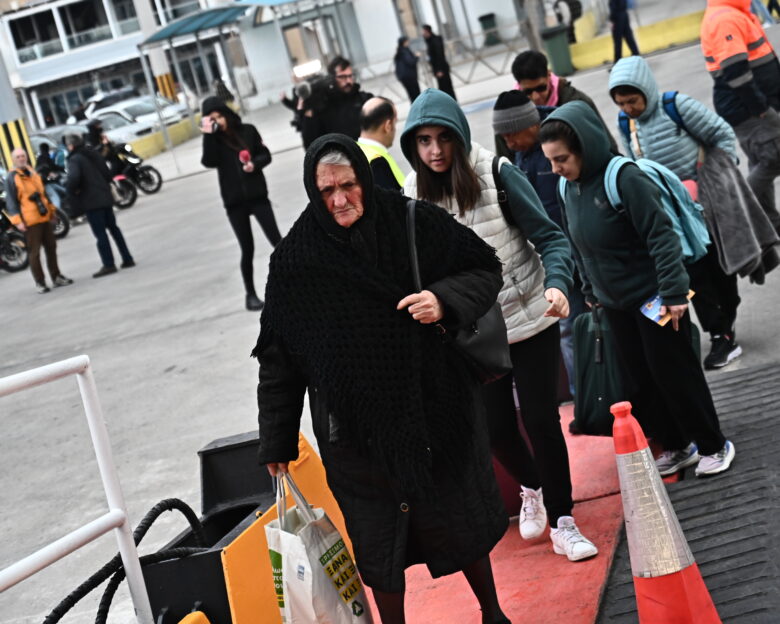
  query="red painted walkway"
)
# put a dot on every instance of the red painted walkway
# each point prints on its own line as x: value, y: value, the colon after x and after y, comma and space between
x: 535, y: 585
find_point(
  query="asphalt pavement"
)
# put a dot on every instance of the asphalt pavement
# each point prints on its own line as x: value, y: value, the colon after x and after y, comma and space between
x: 169, y: 341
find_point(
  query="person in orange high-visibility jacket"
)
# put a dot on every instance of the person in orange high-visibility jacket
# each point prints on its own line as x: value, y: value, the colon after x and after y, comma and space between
x: 746, y: 93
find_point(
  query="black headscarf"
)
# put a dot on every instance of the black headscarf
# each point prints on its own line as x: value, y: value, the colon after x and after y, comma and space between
x: 404, y: 399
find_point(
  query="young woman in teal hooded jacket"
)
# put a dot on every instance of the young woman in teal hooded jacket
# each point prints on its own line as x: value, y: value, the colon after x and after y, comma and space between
x: 456, y: 173
x: 624, y: 259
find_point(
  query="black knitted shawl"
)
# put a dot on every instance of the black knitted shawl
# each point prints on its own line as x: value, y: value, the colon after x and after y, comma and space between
x: 404, y: 398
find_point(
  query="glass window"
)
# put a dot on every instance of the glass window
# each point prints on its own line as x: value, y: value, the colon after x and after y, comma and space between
x: 61, y: 112
x: 48, y: 113
x: 85, y: 23
x: 35, y: 36
x: 111, y: 121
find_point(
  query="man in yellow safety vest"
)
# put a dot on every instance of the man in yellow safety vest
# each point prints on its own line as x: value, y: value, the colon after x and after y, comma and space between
x: 378, y: 119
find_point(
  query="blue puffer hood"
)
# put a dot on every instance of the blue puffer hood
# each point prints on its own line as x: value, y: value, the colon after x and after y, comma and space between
x: 634, y: 71
x: 434, y: 108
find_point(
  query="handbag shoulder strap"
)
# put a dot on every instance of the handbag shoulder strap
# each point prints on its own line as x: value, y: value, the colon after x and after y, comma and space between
x: 503, y: 198
x: 411, y: 207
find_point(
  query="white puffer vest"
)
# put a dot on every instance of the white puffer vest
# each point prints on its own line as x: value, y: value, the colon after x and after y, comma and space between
x: 522, y: 295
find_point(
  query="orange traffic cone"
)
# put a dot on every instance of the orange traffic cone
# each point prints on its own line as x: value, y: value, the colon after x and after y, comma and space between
x: 667, y: 582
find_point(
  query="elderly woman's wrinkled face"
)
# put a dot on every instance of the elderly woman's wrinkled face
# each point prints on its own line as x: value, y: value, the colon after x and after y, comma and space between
x: 341, y: 192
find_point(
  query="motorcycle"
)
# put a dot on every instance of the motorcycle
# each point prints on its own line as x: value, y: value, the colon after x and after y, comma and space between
x: 130, y: 164
x: 13, y: 246
x: 123, y: 191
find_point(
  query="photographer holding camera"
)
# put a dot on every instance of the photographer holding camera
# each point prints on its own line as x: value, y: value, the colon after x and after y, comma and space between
x: 32, y: 213
x: 332, y: 103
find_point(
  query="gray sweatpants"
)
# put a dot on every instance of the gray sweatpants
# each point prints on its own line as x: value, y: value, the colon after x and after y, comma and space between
x: 760, y: 140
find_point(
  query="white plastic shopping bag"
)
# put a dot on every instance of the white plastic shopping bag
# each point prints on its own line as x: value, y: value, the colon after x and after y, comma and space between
x: 315, y: 577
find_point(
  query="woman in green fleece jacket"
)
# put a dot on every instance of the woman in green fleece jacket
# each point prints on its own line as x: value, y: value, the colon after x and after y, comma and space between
x: 625, y: 258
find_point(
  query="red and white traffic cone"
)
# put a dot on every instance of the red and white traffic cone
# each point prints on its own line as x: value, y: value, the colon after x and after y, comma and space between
x: 667, y: 582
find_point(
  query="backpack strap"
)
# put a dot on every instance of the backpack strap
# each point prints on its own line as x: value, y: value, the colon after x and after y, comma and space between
x: 611, y: 181
x: 669, y: 102
x: 503, y: 197
x: 624, y: 125
x: 562, y: 182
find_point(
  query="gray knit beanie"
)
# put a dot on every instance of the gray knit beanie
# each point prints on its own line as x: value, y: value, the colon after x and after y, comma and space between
x: 513, y: 112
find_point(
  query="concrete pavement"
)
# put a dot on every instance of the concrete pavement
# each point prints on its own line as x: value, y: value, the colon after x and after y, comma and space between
x: 170, y: 341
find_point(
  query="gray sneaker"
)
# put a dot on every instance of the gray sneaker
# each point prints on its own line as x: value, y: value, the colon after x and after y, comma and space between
x: 717, y: 463
x: 41, y: 288
x: 670, y: 462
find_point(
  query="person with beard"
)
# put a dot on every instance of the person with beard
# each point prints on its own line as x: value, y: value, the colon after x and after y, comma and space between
x: 237, y: 152
x: 396, y: 413
x: 339, y: 110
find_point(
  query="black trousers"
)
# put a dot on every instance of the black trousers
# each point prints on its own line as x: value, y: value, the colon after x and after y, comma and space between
x: 717, y: 295
x: 239, y: 217
x: 535, y: 366
x: 668, y: 390
x: 621, y: 29
x: 445, y: 84
x: 412, y: 88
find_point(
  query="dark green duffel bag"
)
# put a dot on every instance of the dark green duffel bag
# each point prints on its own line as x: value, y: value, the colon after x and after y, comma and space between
x: 598, y: 382
x: 597, y: 379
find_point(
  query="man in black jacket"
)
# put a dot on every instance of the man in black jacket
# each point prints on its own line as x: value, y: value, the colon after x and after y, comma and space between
x: 339, y: 110
x: 439, y: 65
x: 89, y: 188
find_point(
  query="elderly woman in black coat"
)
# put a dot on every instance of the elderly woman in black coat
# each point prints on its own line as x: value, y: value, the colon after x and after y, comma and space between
x: 396, y: 413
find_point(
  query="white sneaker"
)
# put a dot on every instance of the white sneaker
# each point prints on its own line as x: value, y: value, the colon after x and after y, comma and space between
x: 533, y: 515
x: 670, y: 462
x: 719, y: 462
x: 567, y: 540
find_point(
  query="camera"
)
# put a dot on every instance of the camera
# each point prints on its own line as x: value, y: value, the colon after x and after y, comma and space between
x: 42, y: 209
x: 315, y: 91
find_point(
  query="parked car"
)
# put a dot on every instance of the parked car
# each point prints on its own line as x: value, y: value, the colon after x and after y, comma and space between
x: 142, y: 109
x: 116, y: 127
x: 102, y: 99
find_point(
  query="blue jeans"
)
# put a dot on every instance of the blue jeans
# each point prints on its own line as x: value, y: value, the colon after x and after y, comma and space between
x: 576, y: 307
x: 55, y: 192
x: 102, y: 221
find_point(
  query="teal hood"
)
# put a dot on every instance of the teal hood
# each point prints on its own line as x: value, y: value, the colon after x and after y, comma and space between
x: 592, y: 135
x: 633, y: 71
x: 434, y: 108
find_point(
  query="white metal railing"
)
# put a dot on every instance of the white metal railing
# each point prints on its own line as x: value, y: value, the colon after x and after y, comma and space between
x: 115, y: 519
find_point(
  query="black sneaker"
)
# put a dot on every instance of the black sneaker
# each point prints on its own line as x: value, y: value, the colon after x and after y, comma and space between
x: 106, y: 270
x: 41, y: 288
x: 129, y: 264
x: 723, y: 351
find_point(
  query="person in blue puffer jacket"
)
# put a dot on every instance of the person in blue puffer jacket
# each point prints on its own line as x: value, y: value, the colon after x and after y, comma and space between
x: 650, y: 132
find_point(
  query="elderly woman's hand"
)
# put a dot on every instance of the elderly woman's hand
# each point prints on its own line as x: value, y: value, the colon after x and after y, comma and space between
x: 424, y: 306
x: 559, y: 304
x: 676, y: 312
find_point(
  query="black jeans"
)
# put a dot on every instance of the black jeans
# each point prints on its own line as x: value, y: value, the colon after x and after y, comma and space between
x: 717, y: 295
x: 242, y: 226
x: 535, y: 365
x: 621, y: 29
x: 445, y: 84
x: 102, y: 221
x: 412, y: 88
x: 668, y: 390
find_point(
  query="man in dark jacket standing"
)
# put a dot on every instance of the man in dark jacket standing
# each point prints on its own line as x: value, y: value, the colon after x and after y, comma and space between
x: 339, y: 111
x: 621, y: 28
x: 439, y: 65
x: 746, y: 92
x: 88, y: 186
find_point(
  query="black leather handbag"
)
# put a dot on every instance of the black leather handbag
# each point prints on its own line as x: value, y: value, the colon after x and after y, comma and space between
x: 483, y: 344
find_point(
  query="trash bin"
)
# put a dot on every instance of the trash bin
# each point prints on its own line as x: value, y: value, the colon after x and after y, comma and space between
x: 556, y: 43
x: 488, y: 23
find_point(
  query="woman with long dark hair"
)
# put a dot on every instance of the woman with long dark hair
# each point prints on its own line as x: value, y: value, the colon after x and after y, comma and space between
x: 237, y: 151
x: 452, y: 171
x: 406, y: 68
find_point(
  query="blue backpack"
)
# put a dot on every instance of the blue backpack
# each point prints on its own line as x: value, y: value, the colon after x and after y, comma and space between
x: 686, y: 214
